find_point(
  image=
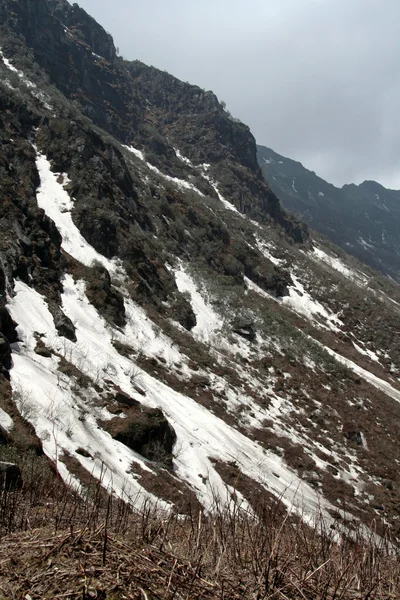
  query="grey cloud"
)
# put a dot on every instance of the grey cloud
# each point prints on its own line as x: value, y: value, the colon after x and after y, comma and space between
x: 316, y: 80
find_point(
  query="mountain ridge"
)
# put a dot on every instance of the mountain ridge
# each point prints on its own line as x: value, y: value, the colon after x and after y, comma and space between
x: 362, y: 219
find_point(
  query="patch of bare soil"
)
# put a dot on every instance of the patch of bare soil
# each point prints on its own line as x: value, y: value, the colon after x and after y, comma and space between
x: 164, y: 485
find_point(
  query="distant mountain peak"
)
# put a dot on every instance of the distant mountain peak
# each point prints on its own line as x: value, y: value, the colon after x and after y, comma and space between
x: 347, y: 216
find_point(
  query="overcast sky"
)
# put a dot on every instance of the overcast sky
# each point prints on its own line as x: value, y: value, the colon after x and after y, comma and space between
x: 316, y: 80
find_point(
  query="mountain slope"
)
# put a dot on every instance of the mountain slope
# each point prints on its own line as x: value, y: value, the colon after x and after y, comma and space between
x: 164, y: 320
x: 362, y: 219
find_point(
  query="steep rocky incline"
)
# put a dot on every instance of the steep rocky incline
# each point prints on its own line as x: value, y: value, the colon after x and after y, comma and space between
x: 195, y: 122
x: 362, y: 219
x: 141, y: 105
x: 163, y: 321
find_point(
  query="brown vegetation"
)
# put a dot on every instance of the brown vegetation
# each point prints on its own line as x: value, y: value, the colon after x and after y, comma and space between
x: 56, y: 544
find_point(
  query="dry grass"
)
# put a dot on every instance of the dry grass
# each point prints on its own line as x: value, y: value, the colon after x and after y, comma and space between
x: 56, y: 544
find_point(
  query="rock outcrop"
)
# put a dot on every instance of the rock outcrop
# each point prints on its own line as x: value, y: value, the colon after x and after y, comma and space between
x: 146, y: 431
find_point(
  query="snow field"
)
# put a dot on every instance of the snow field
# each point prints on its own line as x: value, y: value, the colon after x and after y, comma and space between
x: 65, y: 419
x: 55, y: 409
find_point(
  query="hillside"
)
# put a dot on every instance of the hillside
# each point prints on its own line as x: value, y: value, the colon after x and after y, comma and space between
x: 364, y: 220
x: 167, y: 328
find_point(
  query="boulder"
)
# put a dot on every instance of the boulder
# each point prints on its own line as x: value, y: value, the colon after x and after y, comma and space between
x: 355, y: 436
x: 10, y: 476
x: 62, y: 323
x: 244, y: 327
x: 106, y: 299
x: 182, y: 312
x: 146, y: 431
x: 126, y: 400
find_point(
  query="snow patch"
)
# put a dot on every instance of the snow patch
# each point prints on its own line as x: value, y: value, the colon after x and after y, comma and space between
x: 180, y: 183
x: 337, y: 264
x: 207, y: 320
x: 380, y: 384
x: 6, y: 421
x: 265, y: 249
x: 57, y: 204
x: 41, y: 96
x: 187, y: 161
x: 301, y: 302
x: 365, y: 244
x: 366, y: 352
x: 255, y: 288
x: 221, y: 198
x: 9, y: 65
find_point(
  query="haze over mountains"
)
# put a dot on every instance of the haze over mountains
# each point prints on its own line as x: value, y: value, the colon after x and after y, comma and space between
x: 167, y: 328
x: 364, y: 220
